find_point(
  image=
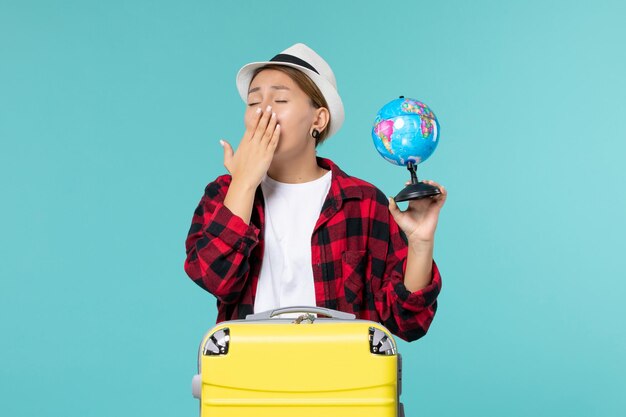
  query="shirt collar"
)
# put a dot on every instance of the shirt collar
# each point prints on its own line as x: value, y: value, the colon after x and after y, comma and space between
x: 342, y: 186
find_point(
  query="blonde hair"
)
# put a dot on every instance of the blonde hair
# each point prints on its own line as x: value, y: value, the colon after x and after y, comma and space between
x: 309, y: 88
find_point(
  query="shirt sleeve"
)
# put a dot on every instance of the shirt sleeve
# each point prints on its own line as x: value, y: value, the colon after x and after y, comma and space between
x: 407, y: 314
x: 218, y: 245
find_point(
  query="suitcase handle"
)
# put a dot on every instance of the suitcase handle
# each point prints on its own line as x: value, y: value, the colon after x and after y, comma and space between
x: 301, y: 309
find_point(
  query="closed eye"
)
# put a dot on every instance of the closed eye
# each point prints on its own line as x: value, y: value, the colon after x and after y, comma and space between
x: 277, y: 101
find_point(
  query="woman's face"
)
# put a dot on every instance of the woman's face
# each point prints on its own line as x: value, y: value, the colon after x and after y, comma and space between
x: 294, y: 110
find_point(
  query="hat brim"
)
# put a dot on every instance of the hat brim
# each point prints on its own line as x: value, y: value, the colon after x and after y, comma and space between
x: 335, y: 105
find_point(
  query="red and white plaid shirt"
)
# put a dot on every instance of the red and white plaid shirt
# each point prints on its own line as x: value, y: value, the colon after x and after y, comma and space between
x: 358, y: 256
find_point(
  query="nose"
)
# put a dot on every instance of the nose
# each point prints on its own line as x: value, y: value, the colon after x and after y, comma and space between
x: 259, y: 105
x: 264, y: 103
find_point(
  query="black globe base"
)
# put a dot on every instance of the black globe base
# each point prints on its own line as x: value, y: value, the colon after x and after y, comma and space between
x: 416, y: 190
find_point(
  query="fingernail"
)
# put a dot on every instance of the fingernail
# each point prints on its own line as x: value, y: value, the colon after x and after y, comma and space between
x: 273, y: 115
x: 222, y: 143
x: 258, y: 110
x: 268, y: 108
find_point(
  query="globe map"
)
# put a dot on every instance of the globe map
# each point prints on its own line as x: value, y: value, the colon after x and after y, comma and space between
x: 405, y: 130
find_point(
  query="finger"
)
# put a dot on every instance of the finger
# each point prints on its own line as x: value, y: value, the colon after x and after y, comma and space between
x: 269, y: 131
x: 442, y: 189
x: 393, y: 207
x: 431, y: 182
x: 253, y: 125
x: 228, y: 153
x: 262, y: 125
x: 437, y: 185
x: 274, y: 140
x: 441, y: 198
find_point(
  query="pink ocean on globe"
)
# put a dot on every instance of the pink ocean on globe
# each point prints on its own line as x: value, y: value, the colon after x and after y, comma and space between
x: 384, y: 130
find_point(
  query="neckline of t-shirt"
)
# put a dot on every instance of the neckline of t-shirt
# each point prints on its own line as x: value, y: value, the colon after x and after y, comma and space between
x: 267, y: 180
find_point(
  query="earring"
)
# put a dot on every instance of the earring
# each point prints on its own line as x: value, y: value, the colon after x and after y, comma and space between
x: 315, y: 133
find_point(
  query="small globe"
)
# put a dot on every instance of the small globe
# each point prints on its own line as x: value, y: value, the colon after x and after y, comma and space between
x: 405, y: 130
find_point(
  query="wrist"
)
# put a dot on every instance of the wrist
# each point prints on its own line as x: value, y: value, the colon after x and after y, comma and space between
x: 243, y: 186
x: 421, y: 244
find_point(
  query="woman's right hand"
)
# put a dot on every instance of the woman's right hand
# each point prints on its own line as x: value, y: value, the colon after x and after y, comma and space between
x: 255, y: 152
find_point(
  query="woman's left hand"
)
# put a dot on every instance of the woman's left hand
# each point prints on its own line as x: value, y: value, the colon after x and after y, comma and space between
x: 419, y: 220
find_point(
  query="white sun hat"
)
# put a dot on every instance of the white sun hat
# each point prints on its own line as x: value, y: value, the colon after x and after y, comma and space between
x: 305, y: 59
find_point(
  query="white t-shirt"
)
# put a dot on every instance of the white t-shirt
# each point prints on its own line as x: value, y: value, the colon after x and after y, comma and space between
x: 291, y: 212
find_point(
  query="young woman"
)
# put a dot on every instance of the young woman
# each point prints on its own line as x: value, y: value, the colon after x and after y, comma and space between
x: 286, y: 227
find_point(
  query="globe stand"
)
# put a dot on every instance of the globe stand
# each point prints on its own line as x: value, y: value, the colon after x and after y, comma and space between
x: 416, y: 189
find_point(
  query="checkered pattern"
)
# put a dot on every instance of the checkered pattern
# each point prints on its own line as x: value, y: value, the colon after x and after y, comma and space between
x: 358, y: 256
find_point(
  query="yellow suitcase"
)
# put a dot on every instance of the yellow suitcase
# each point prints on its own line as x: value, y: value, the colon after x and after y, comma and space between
x: 333, y: 366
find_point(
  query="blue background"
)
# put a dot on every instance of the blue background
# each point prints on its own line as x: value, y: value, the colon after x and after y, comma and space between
x: 110, y: 116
